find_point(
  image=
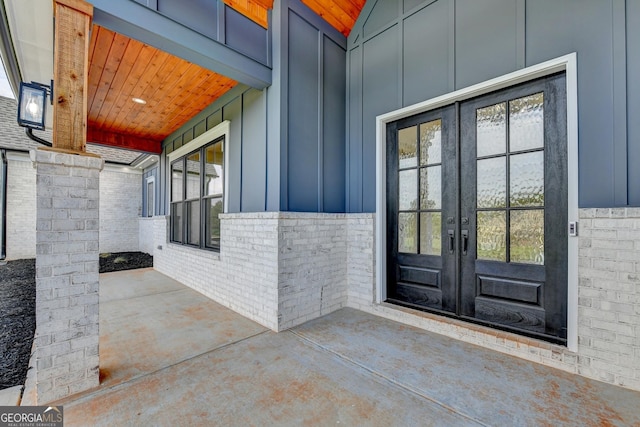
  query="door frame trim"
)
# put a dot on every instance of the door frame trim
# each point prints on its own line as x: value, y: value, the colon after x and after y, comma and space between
x: 566, y: 63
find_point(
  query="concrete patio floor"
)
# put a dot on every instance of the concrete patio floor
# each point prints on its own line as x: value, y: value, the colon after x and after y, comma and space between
x: 170, y: 356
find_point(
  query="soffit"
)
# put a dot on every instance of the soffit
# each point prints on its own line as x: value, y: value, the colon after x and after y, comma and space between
x: 340, y: 14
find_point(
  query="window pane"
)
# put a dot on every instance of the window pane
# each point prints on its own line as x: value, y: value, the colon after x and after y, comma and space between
x: 408, y: 147
x: 430, y: 142
x: 526, y: 122
x: 527, y: 179
x: 176, y: 181
x: 430, y: 188
x: 431, y: 233
x: 407, y: 233
x: 408, y: 189
x: 150, y: 198
x: 213, y: 170
x: 213, y: 210
x: 492, y: 183
x: 176, y: 222
x: 492, y: 236
x: 527, y: 236
x: 193, y: 222
x: 491, y: 128
x: 193, y: 176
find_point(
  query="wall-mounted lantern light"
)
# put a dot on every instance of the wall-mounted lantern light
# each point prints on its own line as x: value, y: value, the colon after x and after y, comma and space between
x: 31, y: 104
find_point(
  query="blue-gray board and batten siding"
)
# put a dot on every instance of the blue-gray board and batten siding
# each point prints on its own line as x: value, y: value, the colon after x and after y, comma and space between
x: 403, y: 52
x: 287, y: 142
x: 297, y: 146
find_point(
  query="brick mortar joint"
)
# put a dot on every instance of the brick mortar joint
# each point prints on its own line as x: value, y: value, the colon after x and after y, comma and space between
x: 66, y: 160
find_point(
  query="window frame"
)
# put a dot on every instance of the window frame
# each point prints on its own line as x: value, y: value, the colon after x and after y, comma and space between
x: 151, y: 207
x: 203, y: 226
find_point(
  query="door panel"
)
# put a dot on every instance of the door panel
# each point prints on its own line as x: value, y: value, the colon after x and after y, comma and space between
x: 514, y: 191
x: 477, y: 223
x: 421, y: 265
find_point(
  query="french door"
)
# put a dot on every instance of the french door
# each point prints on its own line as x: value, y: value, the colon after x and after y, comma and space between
x: 477, y: 210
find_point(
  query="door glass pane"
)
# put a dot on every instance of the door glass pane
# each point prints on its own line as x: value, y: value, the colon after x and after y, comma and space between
x: 213, y: 210
x: 407, y: 233
x: 527, y: 236
x: 526, y: 122
x: 193, y: 222
x: 527, y: 179
x: 431, y: 233
x: 408, y: 190
x: 408, y: 147
x: 193, y: 176
x: 430, y: 142
x: 213, y: 170
x: 492, y: 235
x: 492, y: 183
x: 176, y: 181
x: 491, y: 125
x: 430, y: 188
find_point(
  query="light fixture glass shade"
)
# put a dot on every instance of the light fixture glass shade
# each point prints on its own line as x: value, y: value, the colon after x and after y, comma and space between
x: 31, y: 106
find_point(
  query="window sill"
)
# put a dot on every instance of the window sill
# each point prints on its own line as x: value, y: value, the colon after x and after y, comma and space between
x: 195, y: 251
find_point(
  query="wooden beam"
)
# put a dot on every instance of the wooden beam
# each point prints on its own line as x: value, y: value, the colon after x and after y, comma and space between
x: 118, y: 140
x: 70, y: 73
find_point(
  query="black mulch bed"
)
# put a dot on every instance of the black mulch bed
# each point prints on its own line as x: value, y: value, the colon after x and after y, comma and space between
x: 18, y: 309
x: 124, y: 261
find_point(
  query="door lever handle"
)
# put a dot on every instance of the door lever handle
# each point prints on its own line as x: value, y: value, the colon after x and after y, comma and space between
x: 452, y: 240
x: 465, y: 241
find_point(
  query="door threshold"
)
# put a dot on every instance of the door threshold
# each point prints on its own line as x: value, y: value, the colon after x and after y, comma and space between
x: 448, y: 319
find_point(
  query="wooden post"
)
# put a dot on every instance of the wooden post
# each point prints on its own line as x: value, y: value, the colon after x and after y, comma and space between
x: 70, y: 74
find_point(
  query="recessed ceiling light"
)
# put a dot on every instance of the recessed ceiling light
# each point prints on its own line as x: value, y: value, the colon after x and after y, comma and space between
x: 139, y: 100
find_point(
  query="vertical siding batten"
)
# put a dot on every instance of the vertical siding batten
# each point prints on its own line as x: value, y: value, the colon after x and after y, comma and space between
x: 620, y: 150
x: 633, y: 99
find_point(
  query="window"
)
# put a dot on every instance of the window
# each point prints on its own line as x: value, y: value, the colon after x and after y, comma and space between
x: 151, y: 185
x: 197, y: 196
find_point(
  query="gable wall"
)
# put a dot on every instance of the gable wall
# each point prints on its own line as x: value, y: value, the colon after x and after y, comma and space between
x: 405, y: 51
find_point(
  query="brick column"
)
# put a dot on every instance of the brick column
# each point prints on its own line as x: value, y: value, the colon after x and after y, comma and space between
x: 67, y: 263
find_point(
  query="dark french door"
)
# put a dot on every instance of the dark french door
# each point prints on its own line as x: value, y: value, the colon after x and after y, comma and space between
x: 477, y: 210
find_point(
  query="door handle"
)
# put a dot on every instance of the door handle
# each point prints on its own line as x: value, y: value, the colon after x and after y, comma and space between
x: 465, y: 241
x: 452, y: 240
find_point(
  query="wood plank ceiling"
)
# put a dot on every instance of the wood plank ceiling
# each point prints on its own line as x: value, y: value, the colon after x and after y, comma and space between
x: 121, y: 69
x: 341, y: 14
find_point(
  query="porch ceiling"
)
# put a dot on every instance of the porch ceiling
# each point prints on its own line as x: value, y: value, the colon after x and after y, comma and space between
x: 340, y: 14
x: 121, y: 69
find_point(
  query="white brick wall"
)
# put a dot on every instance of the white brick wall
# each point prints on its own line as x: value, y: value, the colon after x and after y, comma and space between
x: 145, y: 235
x: 67, y: 223
x: 608, y: 308
x: 609, y: 295
x: 21, y: 207
x: 361, y: 261
x: 279, y: 269
x: 243, y: 276
x: 120, y: 207
x: 312, y: 266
